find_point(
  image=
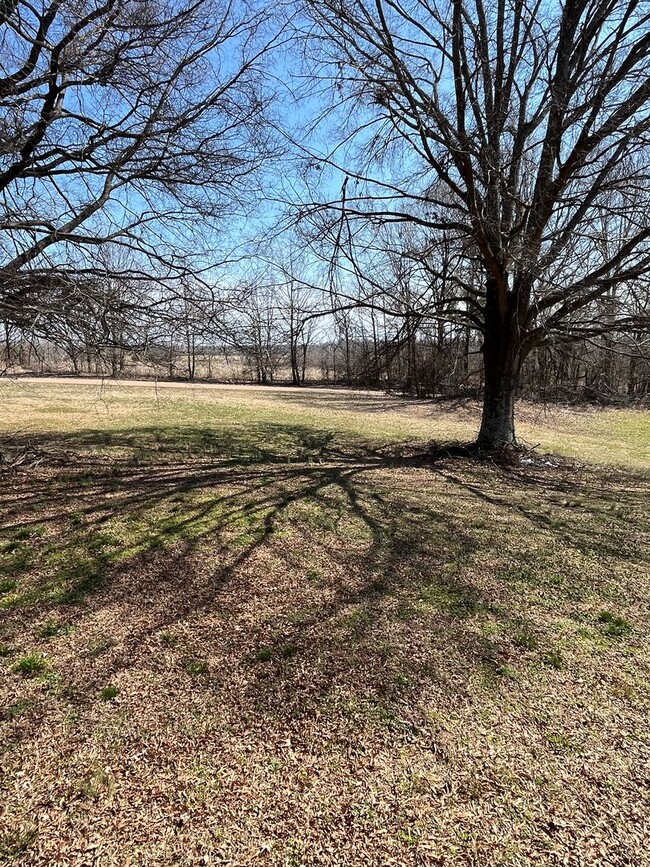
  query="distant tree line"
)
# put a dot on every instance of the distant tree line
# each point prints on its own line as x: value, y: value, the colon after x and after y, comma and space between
x: 284, y: 334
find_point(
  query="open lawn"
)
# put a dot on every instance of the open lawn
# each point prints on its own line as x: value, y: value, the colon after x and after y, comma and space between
x: 268, y: 627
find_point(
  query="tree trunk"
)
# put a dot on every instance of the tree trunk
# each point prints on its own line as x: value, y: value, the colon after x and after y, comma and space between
x: 502, y: 358
x: 348, y: 362
x: 8, y: 344
x: 303, y: 364
x: 295, y: 366
x: 498, y: 418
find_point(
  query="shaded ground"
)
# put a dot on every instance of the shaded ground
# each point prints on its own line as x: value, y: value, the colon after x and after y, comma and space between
x: 267, y: 631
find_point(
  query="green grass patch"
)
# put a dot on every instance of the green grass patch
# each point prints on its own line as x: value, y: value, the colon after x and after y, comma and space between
x: 195, y: 666
x: 31, y: 665
x: 287, y: 650
x: 14, y: 844
x: 613, y: 625
x: 264, y: 654
x: 450, y: 597
x: 51, y: 628
x: 16, y: 709
x: 16, y: 558
x: 525, y: 640
x: 553, y: 659
x: 29, y: 532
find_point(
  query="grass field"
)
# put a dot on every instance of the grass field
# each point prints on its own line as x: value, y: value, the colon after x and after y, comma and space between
x: 268, y: 627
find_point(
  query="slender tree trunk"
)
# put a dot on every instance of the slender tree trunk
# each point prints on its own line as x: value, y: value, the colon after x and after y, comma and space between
x: 303, y: 364
x: 348, y: 362
x: 375, y: 349
x: 8, y: 344
x: 295, y: 366
x: 632, y: 373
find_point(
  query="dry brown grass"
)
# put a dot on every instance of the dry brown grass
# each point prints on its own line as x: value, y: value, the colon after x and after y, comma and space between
x: 265, y: 629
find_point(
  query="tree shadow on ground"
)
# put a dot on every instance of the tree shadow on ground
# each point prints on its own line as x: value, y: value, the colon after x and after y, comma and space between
x: 358, y: 401
x: 323, y: 568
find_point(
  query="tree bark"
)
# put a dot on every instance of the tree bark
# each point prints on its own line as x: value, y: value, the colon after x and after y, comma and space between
x: 498, y: 417
x: 502, y: 357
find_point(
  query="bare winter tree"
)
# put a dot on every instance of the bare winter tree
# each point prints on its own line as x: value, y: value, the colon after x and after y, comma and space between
x: 256, y: 329
x: 519, y: 130
x: 295, y: 304
x: 120, y: 121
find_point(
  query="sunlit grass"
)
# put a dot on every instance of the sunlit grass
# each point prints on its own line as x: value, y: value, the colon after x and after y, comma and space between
x: 139, y: 421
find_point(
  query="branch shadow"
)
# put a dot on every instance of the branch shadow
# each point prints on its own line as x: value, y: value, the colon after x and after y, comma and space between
x: 175, y: 526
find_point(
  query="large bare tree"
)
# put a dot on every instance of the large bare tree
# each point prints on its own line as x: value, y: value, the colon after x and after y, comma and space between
x: 518, y: 129
x: 121, y: 122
